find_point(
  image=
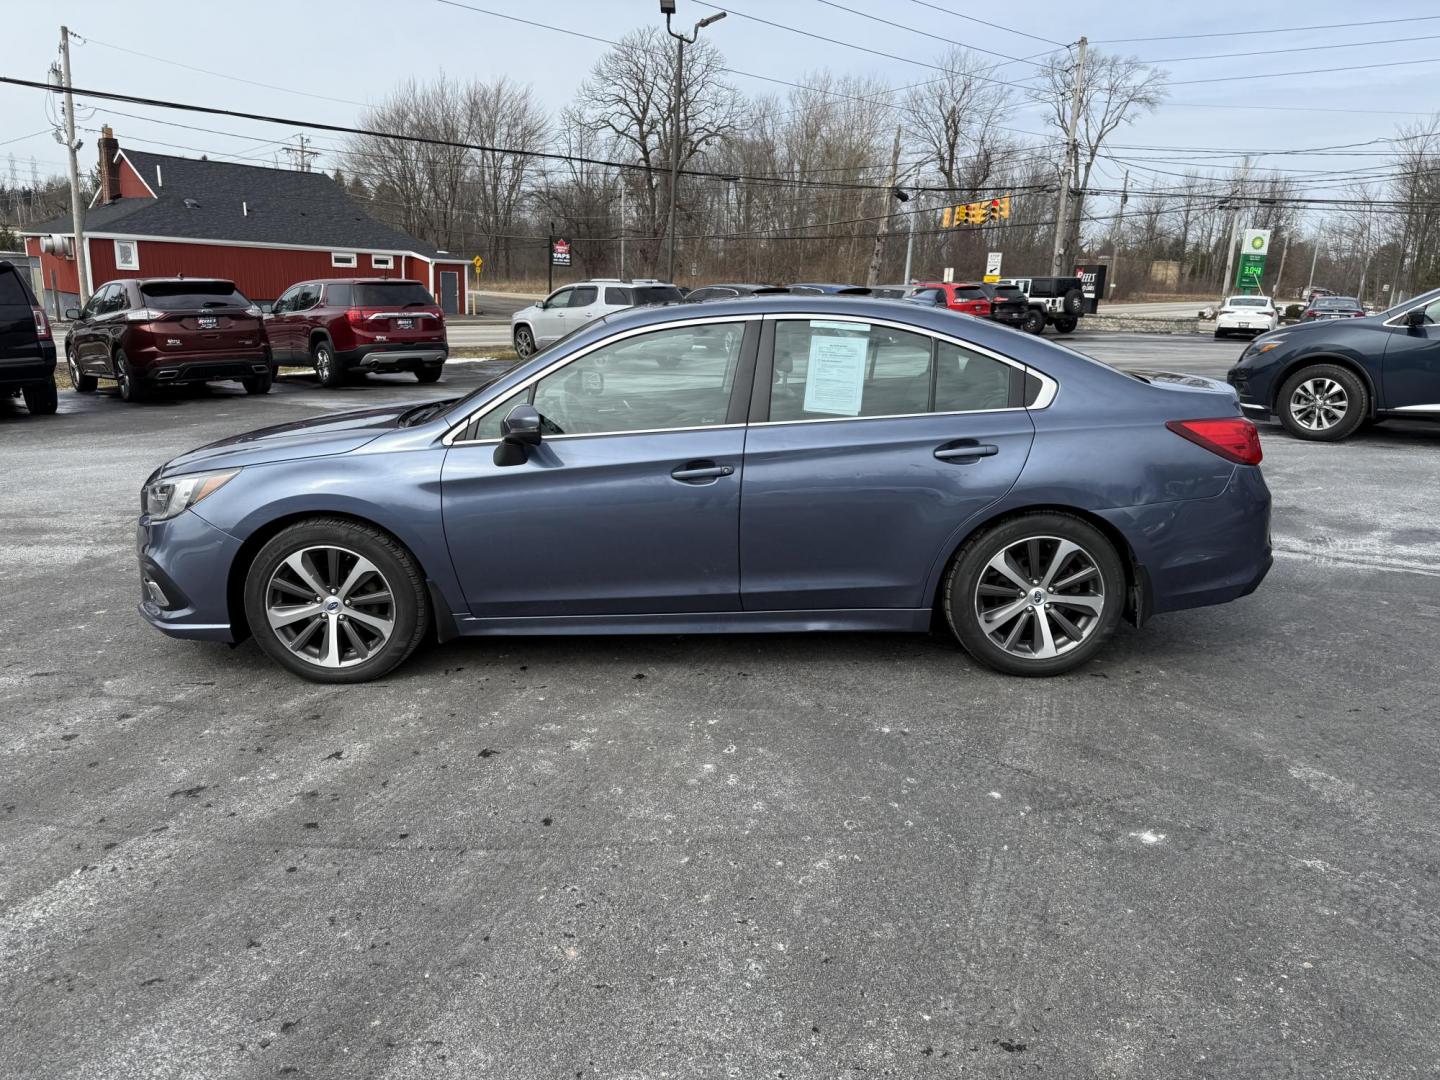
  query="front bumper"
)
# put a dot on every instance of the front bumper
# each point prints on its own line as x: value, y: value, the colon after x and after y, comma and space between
x: 184, y: 571
x: 1255, y: 407
x: 393, y: 356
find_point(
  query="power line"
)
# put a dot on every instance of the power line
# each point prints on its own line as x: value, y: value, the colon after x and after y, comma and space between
x: 923, y: 33
x: 994, y: 25
x: 1307, y: 71
x: 1276, y: 52
x: 1272, y: 30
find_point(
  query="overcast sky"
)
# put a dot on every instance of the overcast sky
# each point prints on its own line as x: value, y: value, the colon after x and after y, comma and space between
x: 329, y: 60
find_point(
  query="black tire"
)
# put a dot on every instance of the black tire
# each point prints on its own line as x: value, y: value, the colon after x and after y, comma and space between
x: 259, y: 384
x: 1073, y: 303
x: 1034, y: 322
x: 1066, y: 324
x: 1037, y: 536
x: 1345, y: 403
x: 1221, y: 333
x: 132, y: 387
x: 42, y: 399
x: 524, y: 341
x: 328, y: 368
x: 82, y: 384
x: 401, y: 578
x: 429, y: 374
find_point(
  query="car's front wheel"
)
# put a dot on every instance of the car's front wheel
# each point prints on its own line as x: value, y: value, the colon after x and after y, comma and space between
x: 336, y: 601
x: 1066, y: 324
x: 1036, y: 595
x: 1324, y: 403
x: 524, y: 340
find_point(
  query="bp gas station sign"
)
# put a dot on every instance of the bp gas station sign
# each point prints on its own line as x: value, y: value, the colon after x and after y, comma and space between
x: 1253, y: 250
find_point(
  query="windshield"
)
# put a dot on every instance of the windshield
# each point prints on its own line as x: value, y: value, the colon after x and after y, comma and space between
x: 392, y: 294
x: 1247, y: 301
x: 193, y: 294
x: 1423, y: 298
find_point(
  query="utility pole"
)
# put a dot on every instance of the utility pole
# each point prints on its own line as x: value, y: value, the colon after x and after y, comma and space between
x: 667, y: 8
x: 1230, y: 253
x: 872, y: 272
x: 1115, y: 248
x: 1314, y: 258
x: 910, y: 242
x: 299, y: 155
x: 1072, y: 154
x: 1280, y: 275
x: 622, y: 228
x: 72, y: 144
x: 550, y: 261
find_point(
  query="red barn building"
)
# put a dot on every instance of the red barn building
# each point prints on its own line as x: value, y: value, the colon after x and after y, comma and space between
x: 263, y: 228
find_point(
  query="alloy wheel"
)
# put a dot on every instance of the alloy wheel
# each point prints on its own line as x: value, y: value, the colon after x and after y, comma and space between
x: 1319, y: 404
x: 330, y: 606
x: 524, y: 343
x: 1040, y: 597
x: 322, y: 364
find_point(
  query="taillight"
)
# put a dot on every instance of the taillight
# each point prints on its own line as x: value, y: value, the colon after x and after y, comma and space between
x: 355, y: 317
x: 42, y: 324
x: 982, y: 307
x: 1234, y: 438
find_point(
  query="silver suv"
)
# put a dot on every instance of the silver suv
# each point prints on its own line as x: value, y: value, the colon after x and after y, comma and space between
x: 573, y: 306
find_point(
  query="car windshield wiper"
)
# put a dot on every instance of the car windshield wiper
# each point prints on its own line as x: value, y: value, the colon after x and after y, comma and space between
x: 420, y: 413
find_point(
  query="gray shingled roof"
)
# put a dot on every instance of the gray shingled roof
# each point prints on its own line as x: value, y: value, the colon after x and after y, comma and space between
x: 286, y: 207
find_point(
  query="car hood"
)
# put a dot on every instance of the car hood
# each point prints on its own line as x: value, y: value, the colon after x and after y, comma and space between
x: 317, y: 437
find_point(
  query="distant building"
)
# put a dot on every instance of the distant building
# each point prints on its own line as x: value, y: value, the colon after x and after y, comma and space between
x: 263, y: 228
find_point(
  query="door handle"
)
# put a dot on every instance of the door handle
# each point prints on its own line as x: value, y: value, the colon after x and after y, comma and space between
x: 700, y: 471
x: 969, y: 451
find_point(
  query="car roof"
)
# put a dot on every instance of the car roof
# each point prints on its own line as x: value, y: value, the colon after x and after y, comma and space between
x: 169, y: 280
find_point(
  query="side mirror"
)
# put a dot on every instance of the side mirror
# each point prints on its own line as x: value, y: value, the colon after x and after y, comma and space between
x: 1415, y: 317
x: 520, y: 429
x: 72, y: 313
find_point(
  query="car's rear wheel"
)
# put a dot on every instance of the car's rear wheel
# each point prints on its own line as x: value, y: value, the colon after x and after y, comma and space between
x: 83, y: 384
x: 1034, y: 322
x: 524, y: 342
x: 1324, y: 403
x: 42, y: 399
x: 336, y: 601
x: 1073, y: 302
x: 1066, y: 324
x: 132, y: 386
x: 1221, y: 333
x: 428, y: 374
x: 1036, y: 595
x: 327, y: 364
x: 259, y: 384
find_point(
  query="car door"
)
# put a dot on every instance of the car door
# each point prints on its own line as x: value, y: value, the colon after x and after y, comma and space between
x: 630, y: 505
x: 549, y: 321
x: 1411, y: 370
x: 112, y: 323
x: 83, y: 337
x: 585, y: 307
x: 869, y: 449
x: 280, y: 326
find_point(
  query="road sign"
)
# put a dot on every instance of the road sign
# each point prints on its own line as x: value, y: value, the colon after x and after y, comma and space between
x: 1252, y: 259
x: 478, y: 263
x: 949, y: 274
x: 560, y: 253
x: 992, y: 266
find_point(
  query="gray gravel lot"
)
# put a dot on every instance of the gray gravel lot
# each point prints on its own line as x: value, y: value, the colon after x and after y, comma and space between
x: 1212, y: 854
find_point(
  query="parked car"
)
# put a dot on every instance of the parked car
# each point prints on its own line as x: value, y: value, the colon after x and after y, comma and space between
x: 891, y: 292
x: 814, y: 289
x: 728, y: 292
x: 149, y: 332
x: 1334, y: 307
x: 1054, y: 301
x: 806, y: 463
x: 1316, y: 292
x: 344, y: 325
x: 27, y: 347
x: 1246, y: 315
x: 570, y: 307
x: 1002, y: 303
x: 1324, y: 379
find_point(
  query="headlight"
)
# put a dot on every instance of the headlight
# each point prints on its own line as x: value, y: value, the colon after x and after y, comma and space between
x: 163, y: 499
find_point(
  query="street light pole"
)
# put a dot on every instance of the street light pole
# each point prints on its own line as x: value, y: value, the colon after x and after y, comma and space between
x: 667, y: 8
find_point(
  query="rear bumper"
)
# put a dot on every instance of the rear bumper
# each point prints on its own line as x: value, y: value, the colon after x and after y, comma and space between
x: 183, y: 576
x: 158, y: 365
x: 1202, y: 551
x: 393, y: 356
x: 29, y: 370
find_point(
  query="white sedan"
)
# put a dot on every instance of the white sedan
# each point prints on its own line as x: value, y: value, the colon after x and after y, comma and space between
x: 1246, y: 315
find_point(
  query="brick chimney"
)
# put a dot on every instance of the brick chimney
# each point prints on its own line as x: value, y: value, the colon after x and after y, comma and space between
x: 109, y: 166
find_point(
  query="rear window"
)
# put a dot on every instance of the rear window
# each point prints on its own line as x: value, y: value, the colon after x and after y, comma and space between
x: 1008, y: 292
x: 399, y: 294
x: 656, y: 294
x: 620, y: 296
x: 194, y: 294
x: 1337, y: 302
x: 969, y: 292
x: 1249, y: 301
x: 12, y: 290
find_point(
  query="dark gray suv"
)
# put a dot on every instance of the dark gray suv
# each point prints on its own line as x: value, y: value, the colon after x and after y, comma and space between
x: 27, y: 347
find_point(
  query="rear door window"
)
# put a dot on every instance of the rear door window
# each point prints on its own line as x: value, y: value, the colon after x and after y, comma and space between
x: 618, y: 296
x: 826, y: 370
x: 967, y: 381
x: 583, y: 296
x: 337, y: 296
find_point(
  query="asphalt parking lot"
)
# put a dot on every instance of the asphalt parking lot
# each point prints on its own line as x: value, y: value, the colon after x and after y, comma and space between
x: 1211, y: 853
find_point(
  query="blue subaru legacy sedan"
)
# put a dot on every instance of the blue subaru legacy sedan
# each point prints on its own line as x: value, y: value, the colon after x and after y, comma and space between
x: 778, y: 463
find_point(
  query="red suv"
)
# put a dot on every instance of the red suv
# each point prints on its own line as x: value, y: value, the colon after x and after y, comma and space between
x: 1002, y: 303
x: 147, y: 332
x: 359, y: 324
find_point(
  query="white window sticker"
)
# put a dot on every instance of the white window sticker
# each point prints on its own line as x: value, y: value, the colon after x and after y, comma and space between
x: 835, y: 379
x: 823, y: 324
